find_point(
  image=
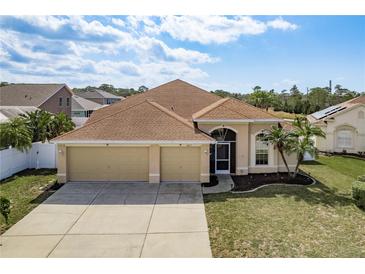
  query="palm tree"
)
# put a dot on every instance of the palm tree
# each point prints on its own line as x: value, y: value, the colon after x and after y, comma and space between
x: 280, y: 138
x: 15, y: 133
x: 38, y: 123
x: 60, y: 124
x: 303, y: 140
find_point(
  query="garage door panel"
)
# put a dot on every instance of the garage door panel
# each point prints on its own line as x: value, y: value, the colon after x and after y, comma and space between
x: 108, y: 163
x: 180, y: 164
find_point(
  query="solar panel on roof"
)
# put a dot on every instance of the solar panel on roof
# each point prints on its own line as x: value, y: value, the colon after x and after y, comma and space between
x: 327, y: 111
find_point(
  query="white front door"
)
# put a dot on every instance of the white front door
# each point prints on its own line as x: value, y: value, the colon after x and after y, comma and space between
x: 222, y: 158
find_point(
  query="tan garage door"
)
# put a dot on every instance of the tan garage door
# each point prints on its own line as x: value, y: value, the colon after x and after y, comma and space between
x: 107, y: 163
x: 180, y: 164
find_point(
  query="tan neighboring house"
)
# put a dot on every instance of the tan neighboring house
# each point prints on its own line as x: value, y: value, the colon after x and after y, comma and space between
x: 54, y: 98
x: 174, y: 132
x: 344, y: 125
x: 100, y: 96
x: 81, y: 109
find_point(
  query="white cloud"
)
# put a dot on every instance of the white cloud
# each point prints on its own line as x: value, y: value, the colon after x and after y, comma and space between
x: 118, y: 22
x: 280, y: 23
x: 214, y: 29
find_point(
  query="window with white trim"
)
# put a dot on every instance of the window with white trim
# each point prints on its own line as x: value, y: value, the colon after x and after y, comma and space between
x: 344, y: 138
x: 262, y: 150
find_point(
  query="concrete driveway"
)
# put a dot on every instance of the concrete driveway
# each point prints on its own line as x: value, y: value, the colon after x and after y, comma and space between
x: 113, y: 220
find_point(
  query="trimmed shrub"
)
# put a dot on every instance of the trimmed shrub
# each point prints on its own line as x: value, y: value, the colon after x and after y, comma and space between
x: 358, y: 193
x: 361, y: 178
x: 5, y: 208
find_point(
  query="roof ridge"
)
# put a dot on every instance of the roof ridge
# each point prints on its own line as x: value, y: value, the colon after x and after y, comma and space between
x: 176, y: 117
x: 209, y: 108
x: 102, y: 118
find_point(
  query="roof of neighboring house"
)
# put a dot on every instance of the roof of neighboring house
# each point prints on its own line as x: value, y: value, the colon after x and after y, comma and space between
x: 80, y: 104
x: 98, y: 93
x: 9, y: 112
x: 335, y: 110
x: 141, y: 122
x: 178, y: 96
x: 28, y: 94
x: 232, y: 109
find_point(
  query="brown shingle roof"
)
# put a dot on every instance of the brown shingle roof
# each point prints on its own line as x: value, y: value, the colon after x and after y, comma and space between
x: 97, y: 93
x: 27, y: 94
x: 181, y: 97
x: 145, y: 121
x: 79, y: 103
x: 231, y: 108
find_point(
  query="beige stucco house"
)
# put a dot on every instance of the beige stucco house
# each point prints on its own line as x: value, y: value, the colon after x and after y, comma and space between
x: 174, y: 132
x: 344, y: 125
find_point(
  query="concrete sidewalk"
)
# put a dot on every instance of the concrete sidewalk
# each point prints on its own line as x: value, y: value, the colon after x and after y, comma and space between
x: 113, y: 220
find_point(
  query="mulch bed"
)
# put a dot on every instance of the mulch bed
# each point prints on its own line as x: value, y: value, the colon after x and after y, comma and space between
x: 252, y: 181
x: 213, y: 181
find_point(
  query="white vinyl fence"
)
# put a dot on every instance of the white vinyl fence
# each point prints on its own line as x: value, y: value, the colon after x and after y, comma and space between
x: 41, y: 155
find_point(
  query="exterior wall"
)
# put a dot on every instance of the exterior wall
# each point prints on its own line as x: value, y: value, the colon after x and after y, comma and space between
x: 204, y: 164
x: 245, y: 148
x: 349, y: 120
x: 61, y: 163
x: 154, y: 159
x: 154, y: 170
x: 52, y: 104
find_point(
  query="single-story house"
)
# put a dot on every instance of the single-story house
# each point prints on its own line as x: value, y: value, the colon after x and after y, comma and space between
x: 54, y: 98
x: 174, y: 132
x: 10, y: 112
x: 101, y: 97
x: 344, y: 125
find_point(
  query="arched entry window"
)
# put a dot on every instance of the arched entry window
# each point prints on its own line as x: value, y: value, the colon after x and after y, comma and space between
x: 223, y: 153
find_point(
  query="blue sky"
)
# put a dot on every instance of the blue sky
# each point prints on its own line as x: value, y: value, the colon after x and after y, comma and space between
x: 234, y: 53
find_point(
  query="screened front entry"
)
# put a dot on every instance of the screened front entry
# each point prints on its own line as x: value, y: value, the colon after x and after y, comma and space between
x: 223, y: 153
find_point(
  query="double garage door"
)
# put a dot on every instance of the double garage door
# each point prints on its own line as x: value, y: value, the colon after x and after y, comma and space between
x: 131, y: 163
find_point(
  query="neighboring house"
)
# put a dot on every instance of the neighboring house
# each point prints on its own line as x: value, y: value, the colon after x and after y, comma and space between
x: 81, y: 109
x: 9, y: 112
x: 100, y: 96
x: 174, y: 132
x: 54, y: 98
x: 344, y: 125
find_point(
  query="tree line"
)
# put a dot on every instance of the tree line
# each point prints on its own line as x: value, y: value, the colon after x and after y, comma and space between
x: 294, y: 100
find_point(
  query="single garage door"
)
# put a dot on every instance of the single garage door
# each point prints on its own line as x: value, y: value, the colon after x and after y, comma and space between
x: 107, y: 163
x: 180, y: 164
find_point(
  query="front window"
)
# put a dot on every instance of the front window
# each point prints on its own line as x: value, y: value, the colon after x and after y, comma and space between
x: 60, y: 101
x: 344, y: 138
x: 262, y: 150
x: 68, y: 101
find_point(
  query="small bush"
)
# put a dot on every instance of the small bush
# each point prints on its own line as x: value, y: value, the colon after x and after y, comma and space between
x: 358, y: 193
x: 361, y: 178
x: 5, y: 208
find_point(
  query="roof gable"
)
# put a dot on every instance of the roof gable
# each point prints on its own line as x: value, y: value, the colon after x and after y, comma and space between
x: 146, y: 121
x: 178, y: 96
x: 28, y: 94
x: 232, y: 109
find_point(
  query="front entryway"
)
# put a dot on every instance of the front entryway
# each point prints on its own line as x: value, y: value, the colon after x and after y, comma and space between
x: 222, y: 158
x: 223, y: 153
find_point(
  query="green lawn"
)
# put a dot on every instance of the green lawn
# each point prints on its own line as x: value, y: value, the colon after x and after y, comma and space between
x: 292, y: 221
x: 25, y: 190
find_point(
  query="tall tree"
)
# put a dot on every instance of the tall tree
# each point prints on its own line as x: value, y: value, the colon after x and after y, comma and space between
x: 302, y: 140
x: 280, y: 139
x: 15, y: 133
